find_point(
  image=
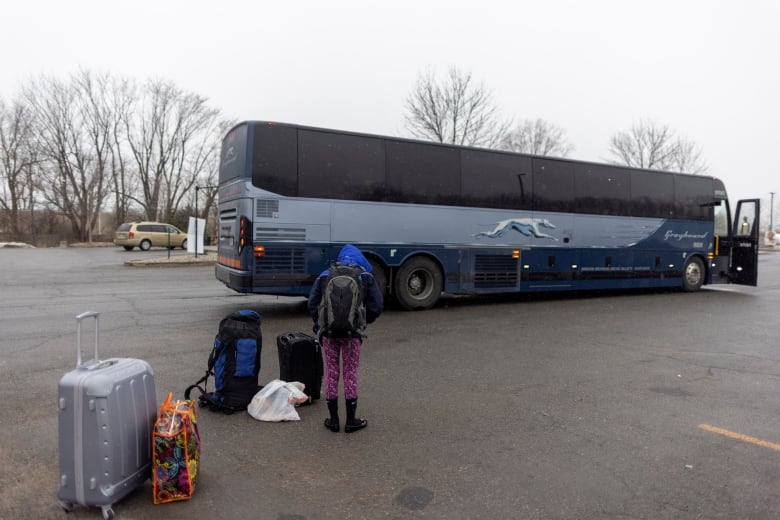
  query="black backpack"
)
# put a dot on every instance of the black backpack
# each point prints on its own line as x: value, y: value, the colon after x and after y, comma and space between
x: 342, y: 312
x: 234, y: 362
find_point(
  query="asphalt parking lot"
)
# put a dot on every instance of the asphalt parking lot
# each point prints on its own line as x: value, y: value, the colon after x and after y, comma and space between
x: 650, y: 406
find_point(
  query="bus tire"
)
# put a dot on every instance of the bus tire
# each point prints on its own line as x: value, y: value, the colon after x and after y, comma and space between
x: 380, y: 277
x: 418, y: 283
x: 693, y: 274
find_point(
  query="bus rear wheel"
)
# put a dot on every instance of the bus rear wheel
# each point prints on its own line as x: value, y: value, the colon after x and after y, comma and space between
x: 693, y: 274
x: 418, y: 284
x: 380, y: 278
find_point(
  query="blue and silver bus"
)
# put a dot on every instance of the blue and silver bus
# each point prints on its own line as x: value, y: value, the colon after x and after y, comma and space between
x: 435, y: 218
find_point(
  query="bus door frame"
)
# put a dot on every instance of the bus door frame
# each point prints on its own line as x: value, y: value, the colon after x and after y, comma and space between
x: 744, y: 241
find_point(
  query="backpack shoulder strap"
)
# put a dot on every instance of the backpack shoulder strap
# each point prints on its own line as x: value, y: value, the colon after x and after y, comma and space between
x: 216, y: 352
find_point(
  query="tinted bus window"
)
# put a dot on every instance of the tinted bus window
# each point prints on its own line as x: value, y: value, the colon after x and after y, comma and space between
x: 693, y: 197
x: 339, y: 166
x: 275, y: 159
x: 422, y: 174
x: 721, y: 218
x: 553, y: 185
x: 602, y: 190
x: 652, y: 194
x: 492, y: 180
x: 233, y: 156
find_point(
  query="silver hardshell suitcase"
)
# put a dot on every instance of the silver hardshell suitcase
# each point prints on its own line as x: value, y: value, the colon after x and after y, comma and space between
x: 107, y: 411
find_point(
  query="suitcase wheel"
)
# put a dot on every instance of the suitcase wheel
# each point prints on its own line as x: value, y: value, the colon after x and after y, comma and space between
x: 66, y: 506
x: 108, y: 512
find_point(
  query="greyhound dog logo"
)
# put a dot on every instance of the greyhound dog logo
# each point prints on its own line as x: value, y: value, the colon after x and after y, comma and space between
x: 526, y: 226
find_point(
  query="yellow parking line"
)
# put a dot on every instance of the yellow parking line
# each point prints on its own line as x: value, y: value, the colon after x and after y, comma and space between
x: 740, y: 437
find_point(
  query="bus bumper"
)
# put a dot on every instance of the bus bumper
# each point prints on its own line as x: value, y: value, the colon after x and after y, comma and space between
x: 240, y: 281
x: 268, y: 283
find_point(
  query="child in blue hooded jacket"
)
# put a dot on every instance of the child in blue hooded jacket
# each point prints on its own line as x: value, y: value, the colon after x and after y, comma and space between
x: 347, y: 349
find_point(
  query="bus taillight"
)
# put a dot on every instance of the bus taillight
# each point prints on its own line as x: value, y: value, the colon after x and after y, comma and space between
x: 244, y: 234
x: 259, y: 251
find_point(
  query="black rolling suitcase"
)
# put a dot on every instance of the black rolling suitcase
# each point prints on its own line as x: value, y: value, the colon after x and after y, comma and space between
x: 300, y: 359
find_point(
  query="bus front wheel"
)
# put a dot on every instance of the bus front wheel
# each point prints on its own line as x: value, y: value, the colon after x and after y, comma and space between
x: 693, y: 274
x: 418, y: 284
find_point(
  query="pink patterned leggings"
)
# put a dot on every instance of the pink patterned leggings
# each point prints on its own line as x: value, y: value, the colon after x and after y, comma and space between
x: 348, y: 349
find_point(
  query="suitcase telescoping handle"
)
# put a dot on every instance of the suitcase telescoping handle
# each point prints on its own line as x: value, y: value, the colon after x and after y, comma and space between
x: 79, y: 319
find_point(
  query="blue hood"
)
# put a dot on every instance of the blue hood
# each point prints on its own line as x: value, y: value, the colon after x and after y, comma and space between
x: 351, y: 255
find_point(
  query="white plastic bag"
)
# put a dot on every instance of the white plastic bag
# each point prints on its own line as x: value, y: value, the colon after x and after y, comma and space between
x: 276, y: 401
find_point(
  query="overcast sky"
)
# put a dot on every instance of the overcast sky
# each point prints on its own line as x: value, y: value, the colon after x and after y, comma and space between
x: 708, y: 69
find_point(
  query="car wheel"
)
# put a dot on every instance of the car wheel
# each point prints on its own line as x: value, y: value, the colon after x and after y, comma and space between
x: 128, y: 248
x: 184, y: 244
x: 145, y: 245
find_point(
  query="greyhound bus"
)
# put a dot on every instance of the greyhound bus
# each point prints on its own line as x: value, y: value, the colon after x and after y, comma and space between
x: 436, y: 218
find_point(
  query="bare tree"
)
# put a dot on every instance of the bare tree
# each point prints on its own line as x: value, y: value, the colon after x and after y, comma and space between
x: 17, y: 158
x: 688, y: 158
x: 454, y: 111
x: 70, y: 130
x: 118, y: 98
x: 102, y: 99
x: 172, y: 140
x: 68, y: 145
x: 650, y: 145
x: 537, y: 137
x: 210, y: 174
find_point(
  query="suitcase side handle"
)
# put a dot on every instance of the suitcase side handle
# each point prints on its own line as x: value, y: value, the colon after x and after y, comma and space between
x: 79, y: 319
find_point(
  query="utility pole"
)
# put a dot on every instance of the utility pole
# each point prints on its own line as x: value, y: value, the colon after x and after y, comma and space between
x: 771, y: 211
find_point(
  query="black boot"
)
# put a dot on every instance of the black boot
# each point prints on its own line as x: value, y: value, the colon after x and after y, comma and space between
x: 353, y: 424
x: 332, y: 423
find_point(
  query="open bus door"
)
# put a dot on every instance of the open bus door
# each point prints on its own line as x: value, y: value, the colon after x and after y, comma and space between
x: 743, y: 247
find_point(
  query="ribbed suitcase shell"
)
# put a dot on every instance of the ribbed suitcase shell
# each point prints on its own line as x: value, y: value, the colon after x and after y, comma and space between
x: 107, y: 411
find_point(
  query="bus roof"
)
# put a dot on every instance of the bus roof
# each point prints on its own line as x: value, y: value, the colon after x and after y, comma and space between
x: 462, y: 147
